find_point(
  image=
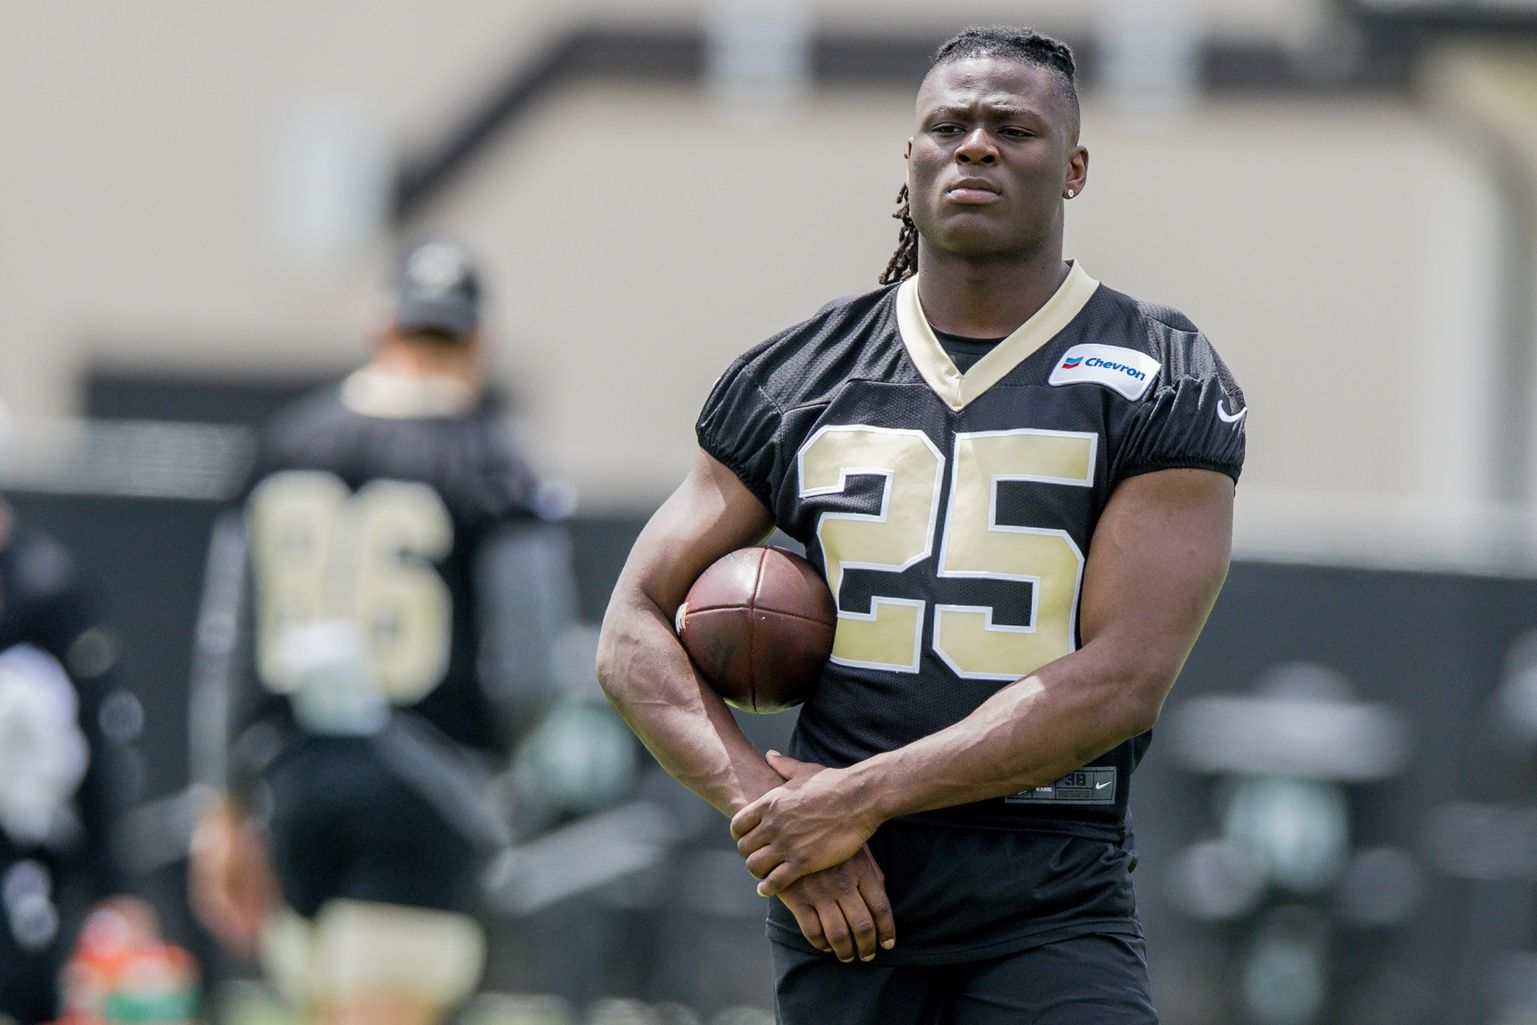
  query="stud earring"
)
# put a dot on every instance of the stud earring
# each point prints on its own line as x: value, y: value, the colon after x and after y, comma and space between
x: 1071, y: 193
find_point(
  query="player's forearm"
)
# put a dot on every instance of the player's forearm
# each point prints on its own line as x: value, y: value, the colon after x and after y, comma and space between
x: 1029, y: 734
x: 1145, y: 600
x: 686, y: 726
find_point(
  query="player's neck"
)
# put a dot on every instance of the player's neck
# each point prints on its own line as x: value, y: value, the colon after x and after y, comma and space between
x: 986, y: 298
x: 456, y: 364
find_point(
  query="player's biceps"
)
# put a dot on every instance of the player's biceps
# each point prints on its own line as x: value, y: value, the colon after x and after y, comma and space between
x: 711, y: 513
x: 732, y: 515
x: 1157, y: 560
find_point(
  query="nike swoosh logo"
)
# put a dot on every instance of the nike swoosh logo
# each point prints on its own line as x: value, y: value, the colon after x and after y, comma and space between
x: 1230, y: 418
x: 1101, y: 786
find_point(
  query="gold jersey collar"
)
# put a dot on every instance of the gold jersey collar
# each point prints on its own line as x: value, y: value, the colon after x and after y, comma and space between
x: 957, y: 389
x: 389, y: 394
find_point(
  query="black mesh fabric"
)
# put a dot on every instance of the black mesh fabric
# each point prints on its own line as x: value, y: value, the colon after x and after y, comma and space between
x: 473, y: 464
x: 847, y: 366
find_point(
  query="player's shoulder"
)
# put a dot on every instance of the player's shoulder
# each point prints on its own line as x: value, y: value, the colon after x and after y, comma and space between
x: 311, y: 416
x: 796, y: 364
x: 302, y: 434
x: 469, y: 454
x: 1163, y: 332
x: 501, y: 483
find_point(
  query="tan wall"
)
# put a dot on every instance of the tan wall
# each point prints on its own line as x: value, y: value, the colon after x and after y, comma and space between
x: 639, y: 236
x: 1309, y: 240
x: 1488, y: 92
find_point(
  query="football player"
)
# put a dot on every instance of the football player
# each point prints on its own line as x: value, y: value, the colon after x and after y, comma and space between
x: 1019, y: 485
x: 405, y: 584
x: 66, y: 769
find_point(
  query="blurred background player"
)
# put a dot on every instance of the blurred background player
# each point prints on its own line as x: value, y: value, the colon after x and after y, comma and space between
x: 65, y: 770
x: 403, y: 592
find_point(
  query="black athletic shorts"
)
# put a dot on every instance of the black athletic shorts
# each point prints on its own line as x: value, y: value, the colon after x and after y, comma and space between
x: 345, y: 824
x: 1090, y: 979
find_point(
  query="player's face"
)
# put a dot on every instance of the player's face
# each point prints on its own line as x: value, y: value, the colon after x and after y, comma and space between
x: 994, y: 151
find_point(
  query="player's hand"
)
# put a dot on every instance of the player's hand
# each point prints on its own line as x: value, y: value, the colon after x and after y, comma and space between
x: 844, y: 909
x: 806, y: 825
x: 230, y: 881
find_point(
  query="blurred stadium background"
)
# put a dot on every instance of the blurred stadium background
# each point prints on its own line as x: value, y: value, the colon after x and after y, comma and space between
x: 1339, y: 819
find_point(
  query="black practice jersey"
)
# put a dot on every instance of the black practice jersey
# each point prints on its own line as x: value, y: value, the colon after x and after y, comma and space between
x: 388, y: 502
x: 952, y: 513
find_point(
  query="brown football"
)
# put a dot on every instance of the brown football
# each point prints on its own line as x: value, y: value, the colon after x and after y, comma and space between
x: 759, y: 624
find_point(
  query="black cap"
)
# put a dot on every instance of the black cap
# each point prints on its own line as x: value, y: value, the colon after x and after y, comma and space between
x: 436, y: 289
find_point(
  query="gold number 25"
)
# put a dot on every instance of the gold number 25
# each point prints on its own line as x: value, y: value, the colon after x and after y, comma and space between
x: 972, y: 544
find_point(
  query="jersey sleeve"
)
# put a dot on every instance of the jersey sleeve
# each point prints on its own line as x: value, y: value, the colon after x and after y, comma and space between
x: 527, y: 601
x: 227, y: 701
x: 1196, y: 421
x: 740, y: 426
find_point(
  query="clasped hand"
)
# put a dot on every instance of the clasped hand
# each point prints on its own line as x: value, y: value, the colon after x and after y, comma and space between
x: 807, y: 824
x: 843, y: 909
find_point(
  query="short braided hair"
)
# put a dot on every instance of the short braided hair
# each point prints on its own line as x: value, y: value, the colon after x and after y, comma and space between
x: 1017, y: 44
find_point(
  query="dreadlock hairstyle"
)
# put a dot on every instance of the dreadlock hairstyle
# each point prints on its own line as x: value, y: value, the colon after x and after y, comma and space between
x: 904, y: 262
x: 1017, y: 44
